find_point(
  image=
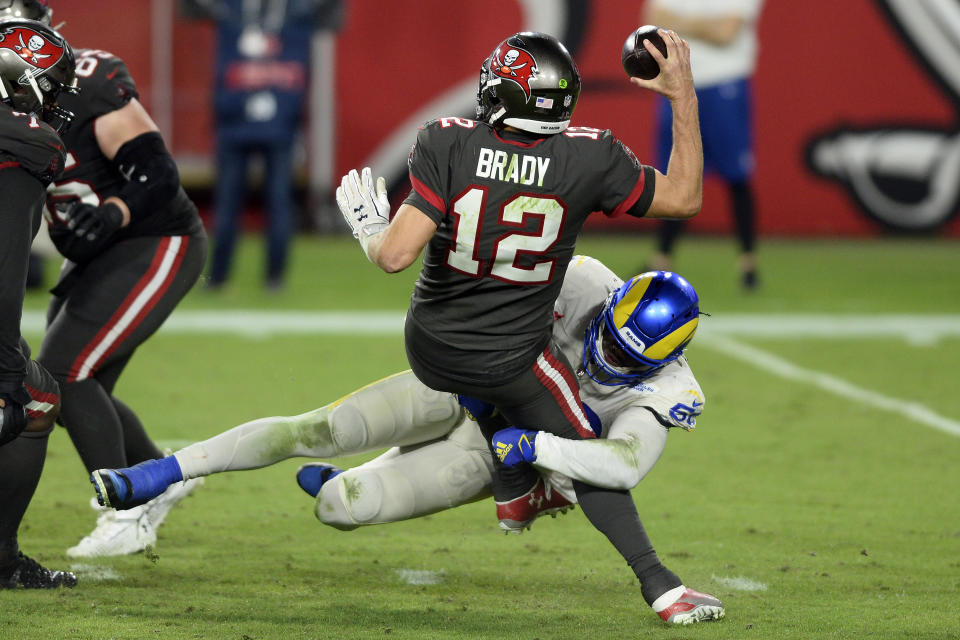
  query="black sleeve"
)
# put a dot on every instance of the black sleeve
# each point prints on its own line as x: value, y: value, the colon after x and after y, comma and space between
x: 152, y: 179
x: 628, y: 184
x: 19, y: 207
x: 109, y: 86
x: 642, y: 204
x: 31, y: 144
x: 428, y: 165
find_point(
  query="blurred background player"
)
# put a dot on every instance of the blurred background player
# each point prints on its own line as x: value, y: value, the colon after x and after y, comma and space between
x: 440, y: 458
x: 135, y: 245
x: 262, y: 73
x: 31, y: 154
x: 723, y: 52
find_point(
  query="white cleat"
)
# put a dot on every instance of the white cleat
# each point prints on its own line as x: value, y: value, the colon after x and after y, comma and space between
x: 120, y: 533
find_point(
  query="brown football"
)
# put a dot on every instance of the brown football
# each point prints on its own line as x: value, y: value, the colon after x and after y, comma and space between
x: 637, y: 61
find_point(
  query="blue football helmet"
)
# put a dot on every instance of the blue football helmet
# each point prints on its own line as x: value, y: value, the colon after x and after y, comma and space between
x: 643, y: 325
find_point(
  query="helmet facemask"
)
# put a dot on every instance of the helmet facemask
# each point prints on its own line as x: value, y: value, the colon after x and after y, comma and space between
x: 52, y: 113
x: 641, y: 327
x: 488, y: 104
x: 607, y: 360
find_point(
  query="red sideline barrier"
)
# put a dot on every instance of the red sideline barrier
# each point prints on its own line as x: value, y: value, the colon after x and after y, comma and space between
x: 843, y: 69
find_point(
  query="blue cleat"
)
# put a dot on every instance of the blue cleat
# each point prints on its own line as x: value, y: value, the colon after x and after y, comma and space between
x: 312, y: 476
x: 132, y: 486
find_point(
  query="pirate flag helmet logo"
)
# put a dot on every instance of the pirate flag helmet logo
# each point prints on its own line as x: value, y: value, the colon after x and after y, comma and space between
x: 514, y: 64
x: 31, y: 46
x: 36, y: 65
x: 530, y: 83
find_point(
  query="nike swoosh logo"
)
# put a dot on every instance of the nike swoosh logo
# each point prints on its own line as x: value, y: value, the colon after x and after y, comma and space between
x: 111, y: 74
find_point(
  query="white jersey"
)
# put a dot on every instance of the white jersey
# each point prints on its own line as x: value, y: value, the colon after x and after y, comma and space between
x: 439, y: 457
x: 633, y: 419
x: 712, y: 64
x: 672, y: 392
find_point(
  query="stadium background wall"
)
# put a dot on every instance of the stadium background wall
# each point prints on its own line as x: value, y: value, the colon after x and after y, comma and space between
x: 825, y: 69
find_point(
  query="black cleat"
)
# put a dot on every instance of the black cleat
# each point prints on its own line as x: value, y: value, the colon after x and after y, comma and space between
x: 29, y: 574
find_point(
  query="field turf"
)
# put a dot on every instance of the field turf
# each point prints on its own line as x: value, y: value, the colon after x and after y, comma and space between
x: 818, y: 496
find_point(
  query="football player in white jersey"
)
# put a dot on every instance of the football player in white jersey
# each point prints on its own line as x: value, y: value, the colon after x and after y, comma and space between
x: 440, y: 459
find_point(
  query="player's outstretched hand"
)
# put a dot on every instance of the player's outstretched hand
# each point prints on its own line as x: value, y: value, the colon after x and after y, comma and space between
x: 365, y: 208
x: 515, y: 446
x: 675, y: 79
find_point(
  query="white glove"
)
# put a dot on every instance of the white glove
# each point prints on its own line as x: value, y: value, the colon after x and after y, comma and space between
x: 366, y: 210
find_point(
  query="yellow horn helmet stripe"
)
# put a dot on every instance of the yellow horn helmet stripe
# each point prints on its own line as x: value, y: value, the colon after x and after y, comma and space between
x: 674, y: 339
x: 627, y: 304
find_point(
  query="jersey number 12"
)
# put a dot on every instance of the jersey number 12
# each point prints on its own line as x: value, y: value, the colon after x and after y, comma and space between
x: 515, y: 212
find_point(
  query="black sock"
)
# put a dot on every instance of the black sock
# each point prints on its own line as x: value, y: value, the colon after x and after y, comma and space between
x: 614, y: 514
x: 512, y: 482
x: 137, y: 444
x: 94, y: 425
x: 21, y: 462
x: 741, y: 196
x: 667, y: 235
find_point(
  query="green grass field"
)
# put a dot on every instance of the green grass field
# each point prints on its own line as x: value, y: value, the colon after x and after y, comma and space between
x: 817, y: 497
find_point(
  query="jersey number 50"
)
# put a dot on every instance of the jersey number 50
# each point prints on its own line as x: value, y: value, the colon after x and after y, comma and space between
x: 515, y: 212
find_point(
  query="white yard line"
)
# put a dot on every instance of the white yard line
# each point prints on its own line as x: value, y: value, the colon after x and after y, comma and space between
x: 715, y: 332
x: 917, y: 328
x: 250, y: 323
x: 832, y: 384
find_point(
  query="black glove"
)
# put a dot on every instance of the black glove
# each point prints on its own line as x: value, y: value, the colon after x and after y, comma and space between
x: 93, y: 223
x: 70, y: 230
x: 13, y: 414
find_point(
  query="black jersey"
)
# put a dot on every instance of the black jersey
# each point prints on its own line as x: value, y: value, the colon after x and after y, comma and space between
x: 105, y: 86
x: 31, y: 155
x: 30, y: 143
x: 509, y: 209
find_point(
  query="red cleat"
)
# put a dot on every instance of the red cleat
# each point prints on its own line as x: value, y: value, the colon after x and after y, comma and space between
x: 692, y: 606
x: 518, y: 514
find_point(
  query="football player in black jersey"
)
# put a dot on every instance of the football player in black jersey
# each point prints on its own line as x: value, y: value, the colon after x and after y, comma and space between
x: 497, y: 204
x: 36, y: 64
x: 135, y: 246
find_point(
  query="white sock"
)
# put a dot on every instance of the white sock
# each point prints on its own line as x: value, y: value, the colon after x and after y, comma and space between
x: 668, y: 598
